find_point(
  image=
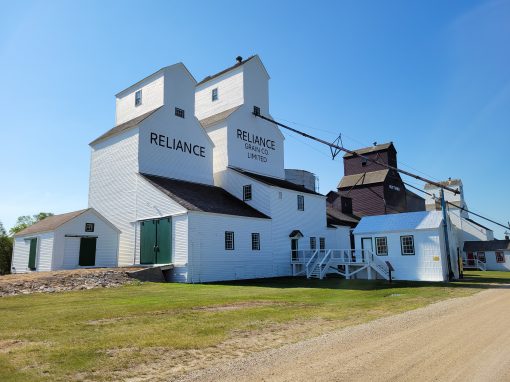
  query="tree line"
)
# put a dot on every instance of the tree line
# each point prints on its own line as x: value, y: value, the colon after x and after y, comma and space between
x: 6, y: 240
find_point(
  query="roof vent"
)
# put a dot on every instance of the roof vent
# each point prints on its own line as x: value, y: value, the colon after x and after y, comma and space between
x: 375, y: 143
x: 239, y: 59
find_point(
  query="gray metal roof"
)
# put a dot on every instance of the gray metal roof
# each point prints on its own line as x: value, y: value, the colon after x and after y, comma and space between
x: 50, y: 223
x: 202, y: 197
x: 124, y: 126
x: 337, y: 217
x: 205, y: 122
x: 492, y: 245
x: 276, y: 182
x: 402, y: 222
x: 370, y: 149
x: 372, y: 177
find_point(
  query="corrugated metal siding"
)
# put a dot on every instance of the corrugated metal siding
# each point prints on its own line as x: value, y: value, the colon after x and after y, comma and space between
x: 112, y: 187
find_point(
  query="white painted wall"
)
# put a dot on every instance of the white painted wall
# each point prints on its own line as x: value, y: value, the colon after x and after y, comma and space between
x: 493, y: 265
x: 230, y: 93
x: 152, y: 97
x: 209, y: 261
x: 157, y: 159
x: 219, y: 137
x: 67, y: 249
x: 113, y: 187
x: 425, y: 265
x: 21, y: 251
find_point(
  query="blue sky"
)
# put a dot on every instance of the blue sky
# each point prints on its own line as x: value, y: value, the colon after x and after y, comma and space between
x: 431, y: 76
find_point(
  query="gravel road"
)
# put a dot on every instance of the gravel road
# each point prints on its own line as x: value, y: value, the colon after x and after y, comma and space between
x: 464, y: 339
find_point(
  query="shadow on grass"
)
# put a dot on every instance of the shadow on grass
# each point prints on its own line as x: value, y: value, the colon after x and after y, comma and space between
x: 471, y: 281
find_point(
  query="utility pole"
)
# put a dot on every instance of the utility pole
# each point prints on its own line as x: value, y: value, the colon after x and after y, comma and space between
x: 446, y: 238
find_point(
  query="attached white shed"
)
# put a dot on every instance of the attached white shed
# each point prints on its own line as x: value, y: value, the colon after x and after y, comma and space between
x: 413, y: 243
x: 78, y: 239
x: 494, y: 255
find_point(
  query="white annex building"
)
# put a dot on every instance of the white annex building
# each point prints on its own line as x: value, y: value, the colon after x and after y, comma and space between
x: 189, y: 176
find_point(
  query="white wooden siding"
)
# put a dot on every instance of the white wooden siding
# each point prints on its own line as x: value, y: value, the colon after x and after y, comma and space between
x: 230, y: 94
x: 67, y: 249
x: 180, y: 245
x: 218, y: 134
x: 112, y: 187
x: 44, y: 252
x: 208, y: 259
x: 152, y: 97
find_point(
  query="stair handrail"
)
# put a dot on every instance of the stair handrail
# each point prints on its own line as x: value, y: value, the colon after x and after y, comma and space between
x: 382, y: 267
x: 322, y: 271
x: 307, y: 265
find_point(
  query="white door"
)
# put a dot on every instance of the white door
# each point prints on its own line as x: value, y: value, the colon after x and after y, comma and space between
x: 366, y: 245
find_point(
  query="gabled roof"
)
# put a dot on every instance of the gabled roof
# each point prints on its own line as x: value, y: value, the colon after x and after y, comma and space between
x: 205, y: 122
x: 124, y: 126
x: 372, y: 177
x: 50, y: 223
x: 371, y: 149
x: 408, y: 221
x: 337, y: 217
x: 276, y: 182
x: 491, y: 245
x: 202, y: 197
x: 237, y: 64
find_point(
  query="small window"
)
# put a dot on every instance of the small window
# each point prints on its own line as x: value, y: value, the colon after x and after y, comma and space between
x: 256, y: 110
x: 313, y: 243
x: 214, y: 95
x: 363, y: 162
x: 407, y: 245
x: 500, y: 257
x: 138, y: 98
x: 255, y: 241
x: 89, y: 227
x: 322, y: 243
x: 300, y: 202
x: 229, y: 240
x: 280, y: 195
x: 381, y: 246
x: 247, y: 192
x: 179, y: 112
x: 480, y: 256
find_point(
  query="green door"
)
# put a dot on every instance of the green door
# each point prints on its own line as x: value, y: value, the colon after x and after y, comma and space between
x: 32, y: 254
x: 164, y: 246
x: 156, y: 241
x: 87, y: 252
x: 148, y: 243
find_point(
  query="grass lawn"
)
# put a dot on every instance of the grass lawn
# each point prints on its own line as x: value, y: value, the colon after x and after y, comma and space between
x: 109, y: 334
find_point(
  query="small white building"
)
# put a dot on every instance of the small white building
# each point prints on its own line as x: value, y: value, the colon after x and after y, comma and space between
x: 79, y: 239
x: 493, y: 255
x: 413, y: 243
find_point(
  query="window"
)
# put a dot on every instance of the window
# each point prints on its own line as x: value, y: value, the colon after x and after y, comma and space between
x: 138, y: 98
x: 89, y: 227
x: 255, y: 241
x: 256, y: 110
x: 300, y: 202
x: 500, y: 257
x: 214, y: 95
x: 247, y: 192
x: 280, y: 195
x: 179, y: 112
x: 363, y: 162
x: 322, y: 243
x: 480, y: 256
x: 229, y: 240
x: 407, y: 245
x: 313, y: 243
x: 381, y: 246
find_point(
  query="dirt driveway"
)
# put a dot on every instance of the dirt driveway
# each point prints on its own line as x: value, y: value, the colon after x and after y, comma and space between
x: 465, y: 339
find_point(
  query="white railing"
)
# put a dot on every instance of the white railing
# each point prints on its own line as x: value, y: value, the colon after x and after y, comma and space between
x: 302, y: 256
x: 474, y: 263
x: 312, y: 263
x: 324, y: 263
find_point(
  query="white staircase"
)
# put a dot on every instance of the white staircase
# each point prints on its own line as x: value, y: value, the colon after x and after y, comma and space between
x: 346, y: 262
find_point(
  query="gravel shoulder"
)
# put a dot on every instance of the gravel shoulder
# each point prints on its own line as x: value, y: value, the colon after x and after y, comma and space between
x: 463, y: 339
